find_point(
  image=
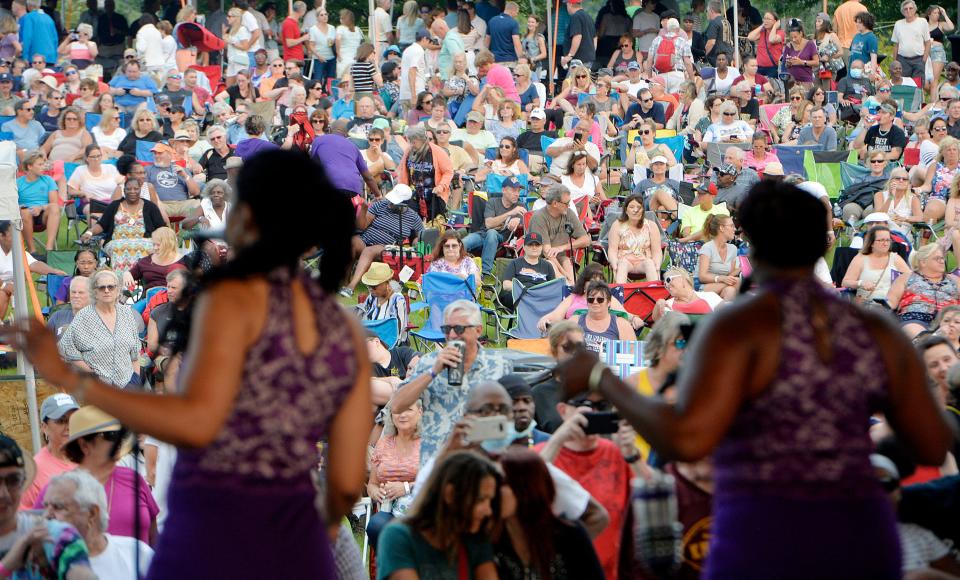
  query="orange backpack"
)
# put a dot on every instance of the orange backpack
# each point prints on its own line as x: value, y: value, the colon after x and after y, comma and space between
x: 663, y: 61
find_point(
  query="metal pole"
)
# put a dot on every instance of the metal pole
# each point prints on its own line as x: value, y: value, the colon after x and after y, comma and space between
x: 551, y: 48
x: 736, y: 36
x: 20, y: 313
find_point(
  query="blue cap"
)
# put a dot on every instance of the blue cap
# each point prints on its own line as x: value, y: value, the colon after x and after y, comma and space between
x: 391, y: 48
x: 423, y: 33
x: 512, y: 182
x: 633, y: 65
x: 6, y: 78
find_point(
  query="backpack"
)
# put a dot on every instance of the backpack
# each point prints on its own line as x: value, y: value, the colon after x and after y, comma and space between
x: 664, y: 57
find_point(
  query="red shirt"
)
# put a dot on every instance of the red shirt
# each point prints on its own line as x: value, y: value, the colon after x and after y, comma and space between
x: 604, y: 473
x: 291, y: 29
x: 769, y: 54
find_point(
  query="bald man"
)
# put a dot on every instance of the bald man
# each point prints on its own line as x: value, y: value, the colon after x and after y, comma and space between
x: 79, y: 298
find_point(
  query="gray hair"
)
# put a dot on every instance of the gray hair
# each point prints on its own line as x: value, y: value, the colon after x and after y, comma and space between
x: 300, y: 7
x: 464, y: 306
x: 555, y: 193
x: 950, y: 90
x: 84, y: 27
x: 903, y: 4
x: 33, y: 4
x: 729, y: 107
x: 92, y: 286
x: 215, y: 183
x: 415, y: 132
x: 663, y: 332
x: 673, y: 25
x: 715, y: 6
x: 216, y: 129
x: 220, y: 107
x: 737, y: 152
x: 88, y: 492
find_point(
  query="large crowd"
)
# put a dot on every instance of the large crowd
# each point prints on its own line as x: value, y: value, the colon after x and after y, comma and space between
x: 591, y: 193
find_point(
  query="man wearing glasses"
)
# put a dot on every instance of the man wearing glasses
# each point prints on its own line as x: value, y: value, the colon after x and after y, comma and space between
x: 443, y: 403
x: 27, y: 132
x: 214, y: 160
x: 645, y: 108
x: 911, y: 40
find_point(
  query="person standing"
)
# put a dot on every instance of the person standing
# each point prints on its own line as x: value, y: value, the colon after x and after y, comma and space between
x: 345, y: 166
x: 290, y: 35
x: 55, y: 425
x: 38, y: 33
x: 806, y: 347
x: 384, y: 28
x: 581, y: 36
x: 413, y: 70
x: 503, y: 36
x: 844, y: 23
x: 240, y: 463
x: 911, y: 41
x: 717, y: 36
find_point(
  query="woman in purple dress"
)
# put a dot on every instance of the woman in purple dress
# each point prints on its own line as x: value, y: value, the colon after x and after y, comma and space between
x: 258, y: 390
x: 780, y: 387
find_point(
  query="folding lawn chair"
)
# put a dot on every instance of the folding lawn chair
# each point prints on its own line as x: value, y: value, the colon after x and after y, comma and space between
x: 438, y: 290
x: 387, y: 329
x: 639, y: 298
x: 792, y: 158
x: 824, y: 168
x: 531, y: 304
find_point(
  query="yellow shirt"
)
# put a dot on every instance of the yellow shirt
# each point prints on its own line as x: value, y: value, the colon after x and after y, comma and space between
x: 695, y: 216
x: 646, y: 389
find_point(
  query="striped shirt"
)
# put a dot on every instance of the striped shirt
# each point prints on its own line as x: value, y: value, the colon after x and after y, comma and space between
x: 362, y: 74
x: 388, y: 226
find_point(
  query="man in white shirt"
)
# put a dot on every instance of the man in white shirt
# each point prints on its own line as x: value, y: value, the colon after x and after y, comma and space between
x: 413, y: 70
x: 561, y: 150
x: 381, y: 19
x: 911, y: 41
x: 149, y: 48
x: 78, y: 499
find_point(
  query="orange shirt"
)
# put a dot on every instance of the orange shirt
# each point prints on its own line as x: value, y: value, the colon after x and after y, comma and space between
x: 843, y: 22
x: 47, y: 467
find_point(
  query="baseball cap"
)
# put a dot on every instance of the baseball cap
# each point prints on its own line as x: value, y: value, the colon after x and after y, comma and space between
x: 537, y: 113
x: 162, y: 98
x: 533, y: 238
x: 12, y: 456
x: 399, y: 194
x: 57, y: 405
x: 708, y: 187
x: 516, y: 385
x: 727, y: 169
x: 6, y: 78
x: 130, y: 52
x: 633, y: 65
x: 475, y: 116
x: 421, y: 34
x: 511, y: 182
x: 658, y: 159
x: 380, y: 123
x: 162, y: 148
x: 658, y: 80
x: 49, y: 81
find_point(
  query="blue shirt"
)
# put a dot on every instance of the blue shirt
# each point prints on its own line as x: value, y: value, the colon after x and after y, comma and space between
x: 25, y: 137
x: 35, y: 193
x: 501, y: 29
x: 862, y: 46
x: 38, y: 35
x: 486, y: 10
x: 128, y: 100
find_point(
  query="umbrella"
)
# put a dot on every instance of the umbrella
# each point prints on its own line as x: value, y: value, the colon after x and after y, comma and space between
x: 191, y: 34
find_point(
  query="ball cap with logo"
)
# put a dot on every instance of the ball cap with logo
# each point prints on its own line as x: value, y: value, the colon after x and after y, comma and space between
x: 56, y: 406
x: 12, y: 456
x: 533, y: 238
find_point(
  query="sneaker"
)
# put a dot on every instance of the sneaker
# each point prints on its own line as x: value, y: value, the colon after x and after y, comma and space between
x: 346, y: 292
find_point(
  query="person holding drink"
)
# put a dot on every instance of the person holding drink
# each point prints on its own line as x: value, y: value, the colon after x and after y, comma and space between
x: 434, y: 380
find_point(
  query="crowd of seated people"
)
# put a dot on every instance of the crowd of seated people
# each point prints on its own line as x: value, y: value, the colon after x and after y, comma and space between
x: 626, y: 166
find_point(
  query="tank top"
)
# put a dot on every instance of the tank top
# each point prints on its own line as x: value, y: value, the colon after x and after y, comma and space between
x: 595, y: 341
x: 66, y: 148
x: 923, y: 299
x: 805, y: 436
x: 286, y: 400
x: 881, y: 277
x: 936, y: 34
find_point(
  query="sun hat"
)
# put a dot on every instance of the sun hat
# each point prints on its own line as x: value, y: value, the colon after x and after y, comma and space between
x: 377, y: 274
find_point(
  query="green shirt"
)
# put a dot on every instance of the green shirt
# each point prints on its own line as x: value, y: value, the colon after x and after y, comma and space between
x: 401, y: 548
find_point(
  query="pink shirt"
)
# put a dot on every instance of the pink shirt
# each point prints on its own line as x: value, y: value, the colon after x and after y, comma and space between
x: 752, y: 162
x: 120, y: 487
x: 500, y: 76
x: 47, y: 467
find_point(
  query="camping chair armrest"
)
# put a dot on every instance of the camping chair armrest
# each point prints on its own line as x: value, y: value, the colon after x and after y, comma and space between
x: 418, y: 306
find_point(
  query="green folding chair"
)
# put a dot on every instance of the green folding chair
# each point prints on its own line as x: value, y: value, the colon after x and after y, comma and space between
x: 908, y: 98
x: 824, y: 168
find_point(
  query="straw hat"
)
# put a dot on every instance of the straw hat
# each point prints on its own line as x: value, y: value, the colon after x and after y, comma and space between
x: 377, y: 274
x: 90, y: 420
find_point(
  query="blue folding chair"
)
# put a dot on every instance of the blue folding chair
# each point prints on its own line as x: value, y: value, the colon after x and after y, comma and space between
x: 6, y: 136
x: 92, y: 120
x: 791, y: 157
x: 533, y: 303
x: 5, y: 118
x: 439, y: 289
x: 53, y: 282
x: 491, y: 154
x: 143, y: 151
x: 546, y: 142
x: 677, y: 144
x: 494, y: 185
x: 387, y: 329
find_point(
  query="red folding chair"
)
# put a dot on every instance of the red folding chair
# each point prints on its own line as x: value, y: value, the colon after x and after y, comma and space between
x: 639, y: 298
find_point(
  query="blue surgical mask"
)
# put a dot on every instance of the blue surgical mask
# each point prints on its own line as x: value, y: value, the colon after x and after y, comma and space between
x: 856, y: 73
x: 499, y: 445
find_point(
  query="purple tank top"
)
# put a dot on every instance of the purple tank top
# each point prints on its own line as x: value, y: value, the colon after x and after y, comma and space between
x: 805, y: 436
x: 286, y: 400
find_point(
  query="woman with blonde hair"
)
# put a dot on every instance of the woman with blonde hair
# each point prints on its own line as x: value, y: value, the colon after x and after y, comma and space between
x: 238, y: 41
x: 578, y: 82
x: 919, y: 297
x: 940, y: 177
x: 79, y: 46
x: 787, y: 122
x: 899, y: 202
x: 10, y: 45
x: 683, y: 297
x: 644, y: 148
x: 349, y: 38
x: 529, y: 96
x: 508, y: 122
x: 108, y: 133
x: 152, y: 270
x: 687, y: 116
x: 459, y: 82
x: 143, y: 127
x: 394, y: 464
x: 408, y: 24
x: 67, y: 143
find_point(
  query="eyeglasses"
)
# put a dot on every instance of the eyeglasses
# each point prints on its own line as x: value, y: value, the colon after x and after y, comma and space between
x: 14, y: 481
x: 598, y: 406
x: 451, y: 246
x: 490, y: 410
x: 216, y: 137
x: 428, y: 103
x: 107, y: 288
x: 624, y: 46
x: 95, y: 157
x: 881, y: 241
x: 877, y: 161
x: 70, y: 73
x: 506, y: 146
x: 596, y: 299
x: 571, y: 345
x: 729, y: 114
x: 317, y: 121
x: 940, y: 129
x: 458, y: 329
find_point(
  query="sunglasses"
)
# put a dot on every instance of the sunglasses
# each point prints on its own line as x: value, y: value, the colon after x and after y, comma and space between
x: 646, y: 100
x: 942, y: 129
x: 39, y: 62
x: 796, y: 98
x: 728, y: 114
x: 598, y: 406
x: 506, y: 146
x: 451, y: 246
x: 71, y: 73
x: 14, y: 480
x: 112, y: 436
x: 669, y: 279
x: 490, y: 410
x: 883, y: 90
x: 582, y: 76
x: 458, y: 329
x: 375, y: 140
x: 443, y: 131
x: 890, y: 484
x: 624, y: 46
x: 317, y: 121
x: 877, y: 161
x: 646, y: 132
x: 107, y: 288
x: 596, y: 299
x: 899, y: 178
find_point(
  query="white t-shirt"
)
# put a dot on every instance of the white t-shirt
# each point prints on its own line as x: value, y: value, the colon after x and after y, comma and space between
x: 413, y: 57
x: 150, y: 46
x: 321, y: 41
x: 6, y: 265
x: 99, y: 188
x: 249, y: 21
x: 910, y: 36
x: 382, y: 20
x: 722, y: 85
x: 571, y: 500
x: 117, y: 561
x: 928, y: 152
x: 560, y: 162
x: 238, y: 56
x: 576, y: 192
x: 169, y: 46
x: 111, y: 141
